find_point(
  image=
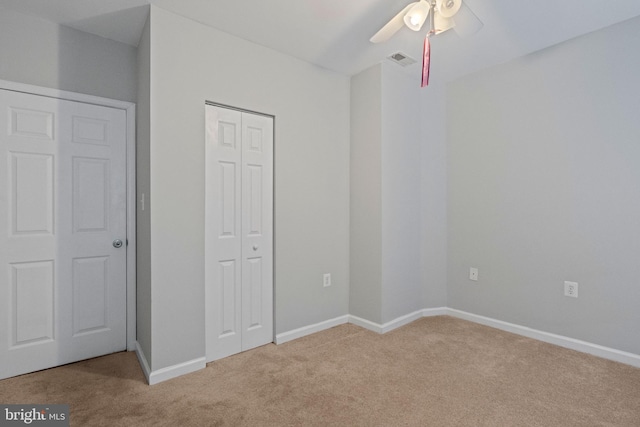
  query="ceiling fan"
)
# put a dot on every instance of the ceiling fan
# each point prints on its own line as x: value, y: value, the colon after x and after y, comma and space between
x: 443, y: 15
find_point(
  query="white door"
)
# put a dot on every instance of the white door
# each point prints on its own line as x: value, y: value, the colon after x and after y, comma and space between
x: 62, y: 206
x: 238, y: 231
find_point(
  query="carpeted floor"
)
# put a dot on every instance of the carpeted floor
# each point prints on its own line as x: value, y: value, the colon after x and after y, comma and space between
x: 437, y: 371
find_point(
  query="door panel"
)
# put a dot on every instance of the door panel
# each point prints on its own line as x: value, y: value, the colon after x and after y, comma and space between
x: 63, y: 202
x: 31, y: 174
x: 31, y: 303
x: 257, y: 236
x: 227, y: 305
x: 222, y: 233
x: 90, y: 278
x: 238, y: 231
x: 91, y: 195
x: 253, y: 294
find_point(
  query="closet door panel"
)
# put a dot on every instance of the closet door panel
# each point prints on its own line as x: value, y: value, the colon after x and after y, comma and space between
x: 223, y: 238
x: 238, y: 231
x: 257, y: 230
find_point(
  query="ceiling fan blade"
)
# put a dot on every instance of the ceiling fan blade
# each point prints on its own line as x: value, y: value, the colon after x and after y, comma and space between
x: 392, y: 26
x: 466, y: 22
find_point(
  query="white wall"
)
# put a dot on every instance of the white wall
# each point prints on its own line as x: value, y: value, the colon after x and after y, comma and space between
x: 544, y: 179
x: 41, y: 53
x: 191, y: 63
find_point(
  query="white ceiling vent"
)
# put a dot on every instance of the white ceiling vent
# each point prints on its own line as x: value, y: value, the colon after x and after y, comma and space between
x: 402, y: 59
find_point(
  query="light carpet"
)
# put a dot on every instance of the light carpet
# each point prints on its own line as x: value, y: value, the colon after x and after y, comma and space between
x: 437, y: 371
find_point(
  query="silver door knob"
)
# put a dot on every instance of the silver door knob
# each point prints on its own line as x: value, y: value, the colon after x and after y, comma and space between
x: 255, y: 247
x: 117, y: 243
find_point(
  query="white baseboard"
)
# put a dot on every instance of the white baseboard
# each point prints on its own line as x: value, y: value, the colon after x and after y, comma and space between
x: 364, y: 323
x: 174, y: 371
x: 562, y: 341
x: 142, y: 359
x: 431, y: 312
x: 164, y: 374
x: 396, y: 323
x: 372, y: 326
x: 311, y: 329
x: 406, y: 319
x: 154, y: 377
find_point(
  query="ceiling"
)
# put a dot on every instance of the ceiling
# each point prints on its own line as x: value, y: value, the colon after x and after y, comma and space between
x: 335, y: 34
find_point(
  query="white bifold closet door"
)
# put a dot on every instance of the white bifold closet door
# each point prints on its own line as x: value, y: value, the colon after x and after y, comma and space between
x: 62, y: 217
x: 238, y: 231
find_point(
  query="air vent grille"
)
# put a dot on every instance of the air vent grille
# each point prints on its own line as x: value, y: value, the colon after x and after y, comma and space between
x: 401, y: 59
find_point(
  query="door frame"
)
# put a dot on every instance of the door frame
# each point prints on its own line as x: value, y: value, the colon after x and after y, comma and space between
x: 130, y: 111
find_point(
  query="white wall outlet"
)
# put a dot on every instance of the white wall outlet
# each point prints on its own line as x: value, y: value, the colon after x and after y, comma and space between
x: 326, y: 279
x: 571, y: 289
x: 473, y: 274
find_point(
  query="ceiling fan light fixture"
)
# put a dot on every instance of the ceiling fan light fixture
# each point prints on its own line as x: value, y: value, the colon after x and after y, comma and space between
x: 417, y: 15
x: 443, y: 15
x: 448, y: 8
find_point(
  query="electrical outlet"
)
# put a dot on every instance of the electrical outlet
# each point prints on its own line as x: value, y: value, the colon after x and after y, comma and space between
x: 326, y: 279
x: 473, y: 274
x: 571, y: 289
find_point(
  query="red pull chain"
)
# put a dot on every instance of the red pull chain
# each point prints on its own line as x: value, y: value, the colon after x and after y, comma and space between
x: 426, y: 60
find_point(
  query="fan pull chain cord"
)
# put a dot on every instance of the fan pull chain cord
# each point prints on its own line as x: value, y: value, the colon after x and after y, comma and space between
x: 426, y: 62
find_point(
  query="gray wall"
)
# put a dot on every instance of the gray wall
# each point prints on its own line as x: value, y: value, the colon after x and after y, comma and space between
x: 41, y: 53
x: 143, y: 220
x: 433, y: 193
x: 365, y: 289
x: 401, y: 194
x: 191, y: 63
x: 544, y: 186
x: 397, y: 232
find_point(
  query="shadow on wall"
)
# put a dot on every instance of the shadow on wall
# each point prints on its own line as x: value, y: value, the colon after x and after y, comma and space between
x: 95, y: 65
